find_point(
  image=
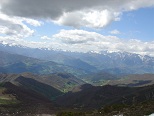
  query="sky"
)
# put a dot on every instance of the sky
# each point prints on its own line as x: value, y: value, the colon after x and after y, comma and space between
x: 79, y: 25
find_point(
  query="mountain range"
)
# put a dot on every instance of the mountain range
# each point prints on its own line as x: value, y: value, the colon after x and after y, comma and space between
x: 61, y: 81
x: 27, y: 96
x: 117, y: 63
x: 14, y: 63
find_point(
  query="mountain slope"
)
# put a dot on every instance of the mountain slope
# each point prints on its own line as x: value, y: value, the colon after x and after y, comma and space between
x: 13, y: 63
x: 18, y: 100
x: 8, y: 58
x: 87, y: 96
x: 49, y: 55
x: 99, y: 79
x: 60, y: 81
x: 31, y: 84
x: 46, y: 90
x: 119, y: 63
x: 134, y: 80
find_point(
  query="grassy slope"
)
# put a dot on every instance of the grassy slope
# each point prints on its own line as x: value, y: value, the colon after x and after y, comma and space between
x: 22, y: 101
x: 60, y: 81
x: 134, y: 80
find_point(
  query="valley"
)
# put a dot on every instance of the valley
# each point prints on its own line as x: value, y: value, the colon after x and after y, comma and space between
x: 76, y: 58
x: 58, y: 83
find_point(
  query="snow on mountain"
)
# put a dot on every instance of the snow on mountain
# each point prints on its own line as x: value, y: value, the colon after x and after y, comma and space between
x: 109, y: 61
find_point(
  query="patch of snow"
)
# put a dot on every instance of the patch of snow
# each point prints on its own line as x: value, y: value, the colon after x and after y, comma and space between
x: 151, y: 114
x: 142, y: 57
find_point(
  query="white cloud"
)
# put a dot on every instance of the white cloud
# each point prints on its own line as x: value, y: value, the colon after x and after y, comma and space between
x: 76, y: 13
x: 14, y: 26
x: 45, y: 38
x: 94, y: 13
x: 16, y: 41
x: 93, y: 18
x: 115, y: 32
x: 84, y: 41
x: 75, y: 36
x: 32, y: 22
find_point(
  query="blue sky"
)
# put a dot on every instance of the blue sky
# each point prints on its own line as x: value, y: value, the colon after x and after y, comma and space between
x: 81, y: 26
x: 136, y: 24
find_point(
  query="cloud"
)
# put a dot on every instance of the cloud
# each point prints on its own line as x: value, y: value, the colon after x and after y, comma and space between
x: 45, y: 38
x: 16, y: 14
x: 12, y: 41
x: 94, y: 13
x: 11, y: 28
x: 75, y: 36
x: 85, y: 41
x: 32, y: 22
x: 93, y: 19
x: 115, y: 32
x: 15, y: 26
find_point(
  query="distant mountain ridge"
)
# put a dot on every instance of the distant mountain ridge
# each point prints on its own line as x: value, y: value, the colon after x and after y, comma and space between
x: 51, y: 84
x: 118, y: 63
x: 134, y: 80
x: 15, y: 63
